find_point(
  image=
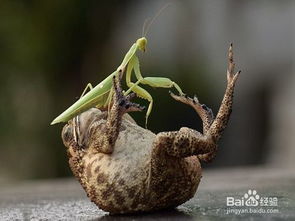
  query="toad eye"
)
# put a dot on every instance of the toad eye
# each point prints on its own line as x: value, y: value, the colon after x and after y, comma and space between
x: 67, y: 134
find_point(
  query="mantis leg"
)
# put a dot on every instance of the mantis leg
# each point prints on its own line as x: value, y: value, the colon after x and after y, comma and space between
x: 154, y: 82
x: 139, y: 91
x: 161, y: 82
x: 109, y: 100
x: 151, y: 81
x: 142, y: 93
x: 109, y: 95
x: 76, y: 130
x: 167, y: 83
x: 88, y: 86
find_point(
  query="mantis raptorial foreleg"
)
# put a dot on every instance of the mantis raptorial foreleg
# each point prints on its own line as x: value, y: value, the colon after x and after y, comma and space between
x: 151, y: 81
x: 142, y: 93
x: 161, y: 82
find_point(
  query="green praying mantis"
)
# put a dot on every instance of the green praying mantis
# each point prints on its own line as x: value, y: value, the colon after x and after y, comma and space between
x: 101, y: 95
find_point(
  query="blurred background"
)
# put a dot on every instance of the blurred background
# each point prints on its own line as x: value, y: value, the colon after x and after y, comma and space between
x: 50, y: 50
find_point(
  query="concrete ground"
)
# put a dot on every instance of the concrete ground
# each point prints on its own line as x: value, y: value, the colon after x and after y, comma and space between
x: 64, y: 199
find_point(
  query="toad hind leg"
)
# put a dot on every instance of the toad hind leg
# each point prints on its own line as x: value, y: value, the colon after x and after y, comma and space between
x: 121, y: 105
x: 222, y: 117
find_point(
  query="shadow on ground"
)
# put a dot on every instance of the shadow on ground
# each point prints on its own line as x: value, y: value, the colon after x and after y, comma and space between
x: 64, y: 199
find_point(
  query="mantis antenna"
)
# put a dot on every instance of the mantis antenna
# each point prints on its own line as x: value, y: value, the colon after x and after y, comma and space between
x: 148, y: 22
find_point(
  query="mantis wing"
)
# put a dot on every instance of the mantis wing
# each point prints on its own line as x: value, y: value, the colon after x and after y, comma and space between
x: 96, y: 96
x: 93, y: 98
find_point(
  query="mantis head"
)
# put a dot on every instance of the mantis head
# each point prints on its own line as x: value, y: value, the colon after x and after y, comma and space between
x: 141, y: 42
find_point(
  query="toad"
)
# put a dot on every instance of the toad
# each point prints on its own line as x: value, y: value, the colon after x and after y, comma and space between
x: 125, y: 168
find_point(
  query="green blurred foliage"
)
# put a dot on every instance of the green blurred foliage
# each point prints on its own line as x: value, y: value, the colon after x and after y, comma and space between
x: 45, y: 46
x: 42, y: 44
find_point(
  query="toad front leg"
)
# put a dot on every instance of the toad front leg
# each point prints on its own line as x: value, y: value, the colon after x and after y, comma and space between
x: 108, y: 135
x: 187, y: 142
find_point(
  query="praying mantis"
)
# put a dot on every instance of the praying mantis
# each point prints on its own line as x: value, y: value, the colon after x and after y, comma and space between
x: 100, y: 96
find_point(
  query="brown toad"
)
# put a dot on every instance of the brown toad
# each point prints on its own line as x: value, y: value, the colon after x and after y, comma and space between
x: 125, y: 168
